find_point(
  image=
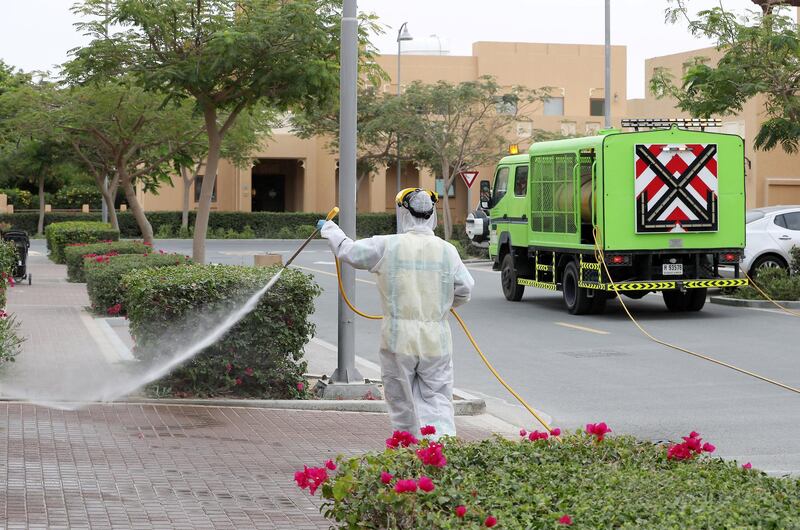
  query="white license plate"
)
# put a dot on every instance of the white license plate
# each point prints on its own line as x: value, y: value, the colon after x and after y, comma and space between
x: 672, y: 269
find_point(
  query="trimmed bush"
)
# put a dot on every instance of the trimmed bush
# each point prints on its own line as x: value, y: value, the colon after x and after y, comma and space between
x: 74, y: 255
x: 104, y: 277
x: 777, y: 283
x: 620, y: 482
x: 10, y: 340
x: 261, y: 356
x: 74, y: 197
x: 21, y: 199
x: 8, y: 258
x: 59, y: 235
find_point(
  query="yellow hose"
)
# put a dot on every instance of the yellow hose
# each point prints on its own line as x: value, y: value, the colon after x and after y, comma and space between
x: 599, y: 256
x: 469, y: 336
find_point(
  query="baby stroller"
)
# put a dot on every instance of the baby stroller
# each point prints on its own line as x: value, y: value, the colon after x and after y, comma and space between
x: 23, y: 243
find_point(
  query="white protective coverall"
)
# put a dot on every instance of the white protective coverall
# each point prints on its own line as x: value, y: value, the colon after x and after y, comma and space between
x: 420, y: 277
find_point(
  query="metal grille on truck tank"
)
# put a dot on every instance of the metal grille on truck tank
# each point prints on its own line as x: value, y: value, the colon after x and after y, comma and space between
x: 553, y: 200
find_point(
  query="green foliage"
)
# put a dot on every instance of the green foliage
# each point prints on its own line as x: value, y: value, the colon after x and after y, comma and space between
x: 74, y: 256
x: 170, y: 308
x: 794, y: 254
x: 10, y: 339
x: 74, y: 197
x: 104, y: 277
x: 59, y: 235
x: 8, y: 258
x: 620, y: 482
x: 760, y: 57
x: 21, y: 199
x: 776, y: 282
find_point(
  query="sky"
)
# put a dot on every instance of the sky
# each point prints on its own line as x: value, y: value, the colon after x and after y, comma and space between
x: 36, y: 34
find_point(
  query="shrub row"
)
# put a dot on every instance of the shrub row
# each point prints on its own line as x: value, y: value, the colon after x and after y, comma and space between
x: 104, y: 277
x: 8, y: 259
x: 59, y: 235
x: 261, y: 356
x: 74, y: 197
x: 779, y: 284
x: 263, y: 224
x: 74, y: 254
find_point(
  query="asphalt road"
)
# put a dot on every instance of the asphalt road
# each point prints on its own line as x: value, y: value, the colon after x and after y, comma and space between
x: 581, y: 369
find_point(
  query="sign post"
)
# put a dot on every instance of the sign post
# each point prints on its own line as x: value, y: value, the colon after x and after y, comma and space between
x: 469, y: 178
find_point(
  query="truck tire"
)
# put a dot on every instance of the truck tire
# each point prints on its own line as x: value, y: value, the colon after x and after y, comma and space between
x: 696, y: 299
x: 508, y: 279
x: 691, y: 300
x: 575, y: 297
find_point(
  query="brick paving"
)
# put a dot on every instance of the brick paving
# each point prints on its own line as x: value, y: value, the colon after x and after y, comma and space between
x: 151, y: 466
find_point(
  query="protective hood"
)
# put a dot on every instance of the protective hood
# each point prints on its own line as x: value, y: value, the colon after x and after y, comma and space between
x: 407, y: 222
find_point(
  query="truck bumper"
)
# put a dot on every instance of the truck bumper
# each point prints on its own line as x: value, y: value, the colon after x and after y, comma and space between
x: 661, y: 285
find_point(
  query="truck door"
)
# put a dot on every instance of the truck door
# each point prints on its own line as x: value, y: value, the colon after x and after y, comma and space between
x: 499, y: 208
x: 519, y: 206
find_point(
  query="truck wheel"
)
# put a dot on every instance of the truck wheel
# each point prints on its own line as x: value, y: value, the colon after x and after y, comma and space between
x: 696, y: 299
x: 676, y: 301
x: 599, y: 303
x: 575, y: 298
x: 508, y: 279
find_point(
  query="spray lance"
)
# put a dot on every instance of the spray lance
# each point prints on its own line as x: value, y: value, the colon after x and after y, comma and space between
x: 333, y: 213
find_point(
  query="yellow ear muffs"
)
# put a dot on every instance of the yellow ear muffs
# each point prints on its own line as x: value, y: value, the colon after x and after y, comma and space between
x: 404, y: 196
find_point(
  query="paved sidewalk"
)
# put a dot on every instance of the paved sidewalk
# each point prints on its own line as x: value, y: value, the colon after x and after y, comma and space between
x: 151, y: 466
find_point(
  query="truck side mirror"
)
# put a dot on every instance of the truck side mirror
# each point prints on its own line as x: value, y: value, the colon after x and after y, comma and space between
x: 486, y: 195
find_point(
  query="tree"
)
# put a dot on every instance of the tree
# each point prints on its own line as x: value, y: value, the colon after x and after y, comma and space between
x: 455, y: 128
x: 379, y: 118
x: 30, y: 147
x: 116, y: 126
x: 760, y: 57
x: 226, y: 55
x: 251, y: 129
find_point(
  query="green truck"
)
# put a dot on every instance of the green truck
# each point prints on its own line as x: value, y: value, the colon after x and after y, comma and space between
x: 663, y: 205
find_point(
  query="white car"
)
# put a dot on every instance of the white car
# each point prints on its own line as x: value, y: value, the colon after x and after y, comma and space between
x: 771, y: 234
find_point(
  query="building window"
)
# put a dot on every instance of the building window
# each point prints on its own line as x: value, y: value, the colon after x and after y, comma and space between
x: 198, y: 186
x: 554, y: 106
x: 506, y: 105
x: 597, y: 107
x: 440, y: 188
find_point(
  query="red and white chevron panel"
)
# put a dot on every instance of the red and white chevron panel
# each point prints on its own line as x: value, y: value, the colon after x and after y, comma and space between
x: 676, y: 187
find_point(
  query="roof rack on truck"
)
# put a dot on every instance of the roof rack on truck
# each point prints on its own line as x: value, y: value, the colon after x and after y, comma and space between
x: 666, y: 123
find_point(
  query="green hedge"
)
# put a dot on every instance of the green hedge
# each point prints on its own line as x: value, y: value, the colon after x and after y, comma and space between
x: 261, y: 356
x: 74, y: 197
x: 21, y: 199
x: 59, y: 235
x: 8, y: 258
x: 74, y: 255
x: 104, y: 278
x: 620, y: 482
x: 263, y: 224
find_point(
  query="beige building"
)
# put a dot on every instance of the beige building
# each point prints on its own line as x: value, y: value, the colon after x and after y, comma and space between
x: 292, y: 174
x: 772, y: 177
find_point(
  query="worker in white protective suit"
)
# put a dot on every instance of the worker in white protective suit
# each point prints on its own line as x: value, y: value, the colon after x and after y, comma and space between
x: 420, y: 277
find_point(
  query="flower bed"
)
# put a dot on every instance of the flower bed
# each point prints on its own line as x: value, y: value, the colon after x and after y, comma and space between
x: 262, y: 356
x: 76, y: 253
x: 584, y: 479
x: 59, y: 235
x: 104, y: 277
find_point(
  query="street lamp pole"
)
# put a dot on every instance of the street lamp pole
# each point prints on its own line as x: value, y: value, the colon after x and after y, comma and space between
x: 607, y: 104
x: 402, y: 35
x: 346, y: 371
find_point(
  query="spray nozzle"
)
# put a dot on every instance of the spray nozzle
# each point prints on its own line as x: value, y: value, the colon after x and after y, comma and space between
x: 333, y: 213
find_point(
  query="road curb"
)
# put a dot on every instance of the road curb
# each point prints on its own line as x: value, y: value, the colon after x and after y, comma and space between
x: 463, y: 407
x: 759, y: 304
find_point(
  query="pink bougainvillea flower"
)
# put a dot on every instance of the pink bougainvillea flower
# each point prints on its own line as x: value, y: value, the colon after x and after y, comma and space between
x: 3, y: 314
x: 401, y: 439
x: 536, y: 435
x: 425, y: 484
x: 428, y: 430
x: 523, y: 433
x: 461, y: 511
x: 228, y: 368
x: 694, y: 434
x: 556, y: 432
x: 432, y: 455
x: 330, y: 465
x: 679, y: 452
x: 239, y: 381
x: 747, y: 466
x: 300, y: 386
x: 565, y: 520
x: 249, y: 371
x: 490, y: 521
x: 114, y: 309
x: 598, y: 430
x: 386, y: 477
x: 311, y: 478
x: 709, y: 448
x: 405, y: 486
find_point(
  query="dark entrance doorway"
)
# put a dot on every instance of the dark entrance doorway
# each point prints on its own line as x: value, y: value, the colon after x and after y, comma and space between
x: 269, y: 193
